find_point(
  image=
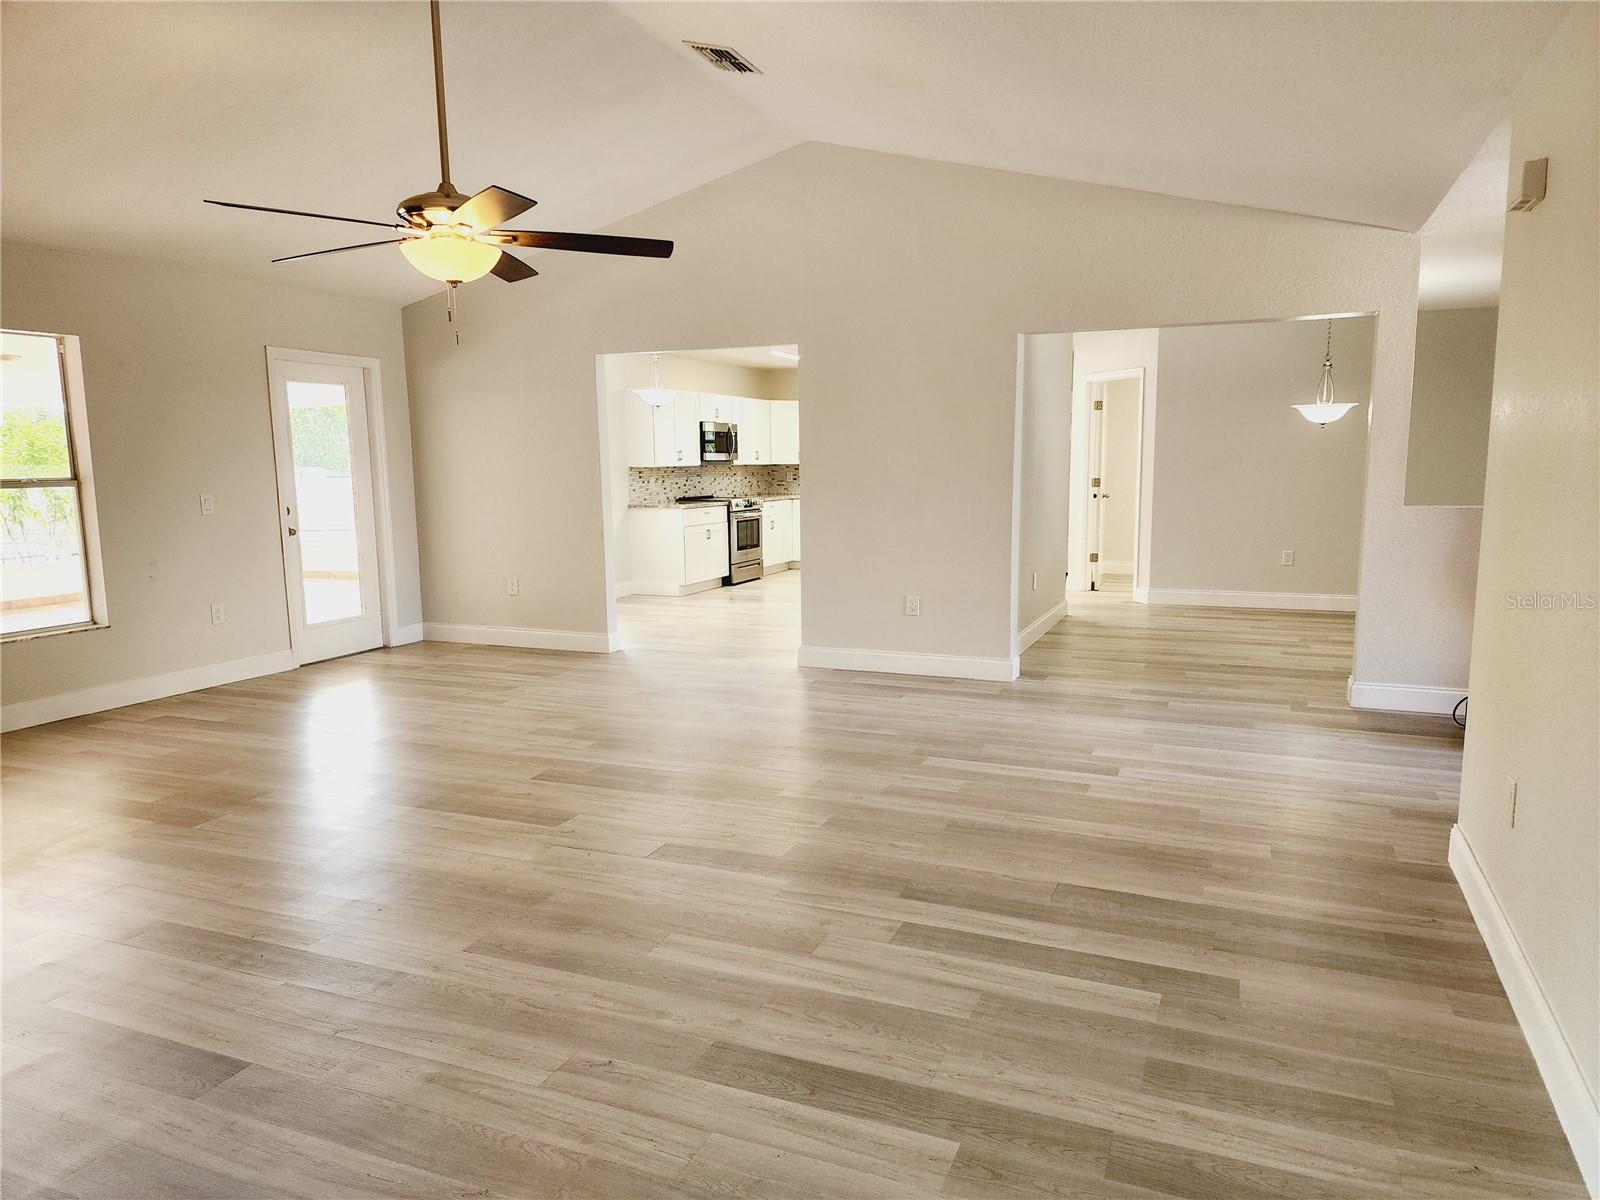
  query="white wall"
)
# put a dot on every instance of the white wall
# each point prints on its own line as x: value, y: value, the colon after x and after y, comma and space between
x: 1241, y: 476
x: 1451, y: 390
x: 908, y: 310
x: 1536, y: 671
x: 1096, y: 353
x: 175, y: 378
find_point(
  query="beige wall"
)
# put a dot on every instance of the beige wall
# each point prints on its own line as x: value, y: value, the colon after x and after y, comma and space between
x: 1119, y: 473
x: 1450, y: 394
x: 1240, y: 476
x: 175, y: 377
x: 1536, y: 671
x: 908, y: 312
x: 1044, y: 373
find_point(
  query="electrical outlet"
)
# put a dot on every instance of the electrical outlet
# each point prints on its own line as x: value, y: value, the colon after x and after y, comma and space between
x: 1036, y: 581
x: 218, y: 614
x: 513, y: 588
x: 1288, y: 558
x: 913, y: 606
x: 1511, y: 802
x: 208, y: 504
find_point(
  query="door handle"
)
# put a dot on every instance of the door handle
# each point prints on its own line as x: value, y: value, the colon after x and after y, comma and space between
x: 293, y: 531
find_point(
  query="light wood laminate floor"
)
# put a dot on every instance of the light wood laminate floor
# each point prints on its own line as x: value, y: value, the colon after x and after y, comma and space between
x: 1163, y: 918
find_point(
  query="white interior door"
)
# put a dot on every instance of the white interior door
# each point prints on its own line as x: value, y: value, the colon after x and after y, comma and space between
x: 1097, y: 464
x: 325, y: 506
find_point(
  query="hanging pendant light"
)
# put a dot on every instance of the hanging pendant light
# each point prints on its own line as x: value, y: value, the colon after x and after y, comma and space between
x: 1324, y: 409
x: 655, y: 395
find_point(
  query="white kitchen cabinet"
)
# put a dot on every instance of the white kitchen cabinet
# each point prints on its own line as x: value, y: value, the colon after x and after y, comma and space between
x: 705, y: 553
x: 720, y: 408
x: 794, y: 538
x: 755, y: 431
x: 785, y: 425
x: 777, y: 533
x: 666, y: 436
x: 674, y: 551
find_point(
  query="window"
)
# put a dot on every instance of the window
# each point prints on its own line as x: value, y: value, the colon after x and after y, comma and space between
x: 50, y: 549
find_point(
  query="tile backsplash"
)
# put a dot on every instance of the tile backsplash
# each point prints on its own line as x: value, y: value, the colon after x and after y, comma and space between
x: 662, y: 485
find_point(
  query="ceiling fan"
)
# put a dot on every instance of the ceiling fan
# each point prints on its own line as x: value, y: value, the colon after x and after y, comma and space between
x: 456, y: 238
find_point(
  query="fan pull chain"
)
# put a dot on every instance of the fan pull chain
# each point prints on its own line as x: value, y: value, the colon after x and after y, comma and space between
x: 450, y: 310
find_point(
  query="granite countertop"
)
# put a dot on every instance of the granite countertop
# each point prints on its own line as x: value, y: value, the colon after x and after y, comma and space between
x: 708, y: 503
x: 675, y: 504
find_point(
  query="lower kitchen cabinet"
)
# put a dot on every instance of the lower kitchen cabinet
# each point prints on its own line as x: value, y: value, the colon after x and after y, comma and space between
x: 675, y: 551
x: 780, y: 534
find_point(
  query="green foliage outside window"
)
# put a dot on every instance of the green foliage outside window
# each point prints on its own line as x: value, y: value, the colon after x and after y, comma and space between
x: 321, y: 438
x: 33, y: 445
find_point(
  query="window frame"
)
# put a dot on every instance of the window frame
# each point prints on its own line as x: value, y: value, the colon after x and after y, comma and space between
x: 81, y: 465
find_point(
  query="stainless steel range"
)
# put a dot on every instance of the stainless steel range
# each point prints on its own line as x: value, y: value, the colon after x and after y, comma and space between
x: 744, y: 541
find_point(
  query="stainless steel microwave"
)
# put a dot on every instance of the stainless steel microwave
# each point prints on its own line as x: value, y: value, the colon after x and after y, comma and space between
x: 718, y: 442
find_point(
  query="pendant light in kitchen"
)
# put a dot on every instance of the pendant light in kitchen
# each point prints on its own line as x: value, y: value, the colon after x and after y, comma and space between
x: 655, y: 395
x: 1324, y: 410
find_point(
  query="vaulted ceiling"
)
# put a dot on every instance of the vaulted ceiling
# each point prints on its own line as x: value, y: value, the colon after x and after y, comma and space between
x: 119, y: 118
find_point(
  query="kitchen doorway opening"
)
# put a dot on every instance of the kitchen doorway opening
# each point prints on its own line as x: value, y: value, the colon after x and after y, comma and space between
x: 701, y: 466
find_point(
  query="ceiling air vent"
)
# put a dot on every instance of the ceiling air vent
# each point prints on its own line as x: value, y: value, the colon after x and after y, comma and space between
x: 724, y: 58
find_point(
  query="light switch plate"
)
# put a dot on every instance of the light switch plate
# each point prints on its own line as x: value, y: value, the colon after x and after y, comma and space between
x: 513, y: 586
x: 913, y: 606
x: 208, y: 504
x: 218, y: 614
x: 1288, y: 558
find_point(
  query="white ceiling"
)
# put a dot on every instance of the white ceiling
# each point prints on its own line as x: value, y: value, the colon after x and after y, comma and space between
x: 119, y: 118
x: 1464, y: 240
x: 759, y: 357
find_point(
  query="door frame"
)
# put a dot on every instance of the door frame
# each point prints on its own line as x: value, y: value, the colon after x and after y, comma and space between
x: 1079, y: 511
x: 377, y: 451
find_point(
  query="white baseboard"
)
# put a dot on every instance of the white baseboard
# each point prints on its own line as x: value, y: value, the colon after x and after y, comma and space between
x: 1141, y: 595
x: 1405, y: 697
x: 1575, y: 1104
x: 26, y: 713
x: 407, y: 634
x: 524, y: 639
x: 901, y: 662
x: 1209, y: 598
x: 650, y: 587
x: 1039, y: 628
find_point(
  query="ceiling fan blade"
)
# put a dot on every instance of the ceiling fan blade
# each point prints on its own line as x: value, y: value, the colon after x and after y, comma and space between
x: 493, y: 206
x: 591, y: 243
x: 342, y: 249
x: 512, y: 269
x: 294, y: 212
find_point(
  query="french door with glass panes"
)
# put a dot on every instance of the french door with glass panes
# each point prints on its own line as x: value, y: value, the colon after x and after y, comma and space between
x: 325, y: 505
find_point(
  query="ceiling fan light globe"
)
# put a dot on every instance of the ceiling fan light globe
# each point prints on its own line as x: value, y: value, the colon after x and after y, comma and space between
x: 1323, y: 414
x: 450, y: 257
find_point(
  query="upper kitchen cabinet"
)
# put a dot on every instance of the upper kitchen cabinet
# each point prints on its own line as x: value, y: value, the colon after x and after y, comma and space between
x: 755, y: 431
x: 667, y: 436
x: 785, y: 426
x: 725, y: 409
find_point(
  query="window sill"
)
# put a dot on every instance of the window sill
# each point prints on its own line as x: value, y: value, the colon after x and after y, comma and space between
x: 28, y: 635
